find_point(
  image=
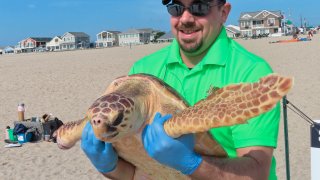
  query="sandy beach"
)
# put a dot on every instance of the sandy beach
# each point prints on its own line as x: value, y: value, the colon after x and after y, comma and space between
x: 66, y: 83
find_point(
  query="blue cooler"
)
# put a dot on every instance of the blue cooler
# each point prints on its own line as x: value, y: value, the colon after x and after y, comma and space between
x: 24, y: 137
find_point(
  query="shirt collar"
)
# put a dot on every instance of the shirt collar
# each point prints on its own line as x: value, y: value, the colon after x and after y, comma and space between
x: 217, y: 54
x: 219, y: 51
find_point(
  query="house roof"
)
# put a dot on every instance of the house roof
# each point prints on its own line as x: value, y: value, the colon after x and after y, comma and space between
x: 59, y: 37
x: 79, y: 34
x: 149, y: 30
x: 233, y: 29
x: 136, y: 31
x: 41, y: 39
x: 8, y: 48
x: 114, y: 32
x: 254, y: 15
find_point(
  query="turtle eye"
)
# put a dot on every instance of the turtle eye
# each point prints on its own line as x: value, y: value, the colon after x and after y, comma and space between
x: 111, y: 129
x: 118, y: 120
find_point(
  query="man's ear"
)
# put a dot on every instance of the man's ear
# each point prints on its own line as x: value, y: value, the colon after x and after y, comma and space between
x: 225, y: 10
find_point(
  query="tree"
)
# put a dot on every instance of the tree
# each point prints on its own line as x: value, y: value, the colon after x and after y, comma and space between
x: 158, y: 34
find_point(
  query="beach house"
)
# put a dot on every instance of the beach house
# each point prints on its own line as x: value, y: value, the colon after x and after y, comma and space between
x: 260, y: 23
x: 135, y: 37
x: 75, y: 40
x: 54, y: 44
x: 153, y: 33
x: 8, y: 50
x: 233, y: 31
x: 107, y: 39
x: 33, y: 44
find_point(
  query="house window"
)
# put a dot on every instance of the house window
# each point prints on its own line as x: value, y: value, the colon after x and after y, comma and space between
x: 247, y: 33
x: 257, y: 22
x: 271, y: 21
x: 245, y: 24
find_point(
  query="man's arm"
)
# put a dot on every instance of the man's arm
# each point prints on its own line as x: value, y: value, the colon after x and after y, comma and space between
x: 252, y: 163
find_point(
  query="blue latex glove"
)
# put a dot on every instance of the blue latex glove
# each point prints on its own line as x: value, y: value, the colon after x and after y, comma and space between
x: 176, y: 153
x: 101, y: 154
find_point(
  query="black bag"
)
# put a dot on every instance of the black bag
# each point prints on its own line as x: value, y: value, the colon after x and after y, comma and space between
x: 19, y: 128
x: 22, y: 129
x: 51, y: 126
x: 35, y: 128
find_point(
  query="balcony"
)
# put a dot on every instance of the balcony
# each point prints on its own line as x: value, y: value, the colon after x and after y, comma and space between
x: 106, y: 40
x: 258, y: 26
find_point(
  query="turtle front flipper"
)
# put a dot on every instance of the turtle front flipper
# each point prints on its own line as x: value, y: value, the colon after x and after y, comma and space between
x: 231, y: 105
x: 69, y: 133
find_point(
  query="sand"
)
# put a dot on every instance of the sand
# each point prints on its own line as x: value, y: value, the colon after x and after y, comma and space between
x: 66, y: 83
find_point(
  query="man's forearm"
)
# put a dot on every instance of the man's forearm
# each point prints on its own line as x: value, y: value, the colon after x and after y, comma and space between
x: 124, y: 170
x: 227, y: 168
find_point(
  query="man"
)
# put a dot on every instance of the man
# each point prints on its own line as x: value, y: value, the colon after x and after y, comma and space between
x: 200, y: 57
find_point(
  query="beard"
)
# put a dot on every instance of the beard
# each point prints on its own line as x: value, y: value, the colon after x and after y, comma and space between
x: 190, y: 46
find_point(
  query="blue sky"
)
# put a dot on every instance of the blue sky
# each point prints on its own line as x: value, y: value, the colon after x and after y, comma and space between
x: 21, y: 19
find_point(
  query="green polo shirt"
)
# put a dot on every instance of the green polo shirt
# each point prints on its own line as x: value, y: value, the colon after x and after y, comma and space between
x: 225, y: 63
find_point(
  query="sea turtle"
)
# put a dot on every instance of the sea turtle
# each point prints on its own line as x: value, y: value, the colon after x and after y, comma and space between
x: 130, y: 102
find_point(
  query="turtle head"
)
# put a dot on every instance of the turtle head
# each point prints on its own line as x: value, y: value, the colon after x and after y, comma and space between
x: 113, y: 116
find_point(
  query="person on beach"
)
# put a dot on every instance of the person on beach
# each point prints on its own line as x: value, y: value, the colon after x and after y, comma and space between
x: 310, y: 34
x: 200, y: 57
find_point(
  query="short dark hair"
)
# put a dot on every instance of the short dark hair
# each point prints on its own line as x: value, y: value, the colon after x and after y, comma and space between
x: 165, y: 2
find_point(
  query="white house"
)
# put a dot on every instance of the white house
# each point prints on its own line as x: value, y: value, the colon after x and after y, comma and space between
x: 8, y: 50
x: 107, y: 39
x: 75, y: 40
x: 134, y: 37
x: 54, y: 44
x: 233, y: 31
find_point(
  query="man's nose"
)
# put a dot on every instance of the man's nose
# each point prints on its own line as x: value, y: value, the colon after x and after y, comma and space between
x: 187, y: 17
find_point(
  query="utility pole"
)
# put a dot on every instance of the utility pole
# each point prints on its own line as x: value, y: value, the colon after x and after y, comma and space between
x: 305, y: 26
x: 284, y: 24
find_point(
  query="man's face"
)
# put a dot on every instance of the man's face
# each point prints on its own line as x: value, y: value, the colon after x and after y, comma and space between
x: 194, y: 33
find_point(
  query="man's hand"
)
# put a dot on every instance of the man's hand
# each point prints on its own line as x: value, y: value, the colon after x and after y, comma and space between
x: 176, y: 153
x: 101, y: 154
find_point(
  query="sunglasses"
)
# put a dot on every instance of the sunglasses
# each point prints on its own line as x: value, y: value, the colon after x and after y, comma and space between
x: 196, y: 9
